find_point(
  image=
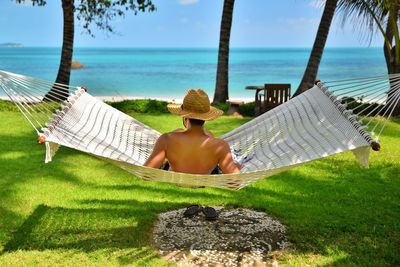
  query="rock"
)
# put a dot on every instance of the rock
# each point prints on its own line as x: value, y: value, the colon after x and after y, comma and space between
x: 239, y: 237
x: 234, y: 107
x: 237, y: 115
x: 75, y: 65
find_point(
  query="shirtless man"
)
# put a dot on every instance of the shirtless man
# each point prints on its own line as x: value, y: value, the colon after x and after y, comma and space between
x: 193, y: 150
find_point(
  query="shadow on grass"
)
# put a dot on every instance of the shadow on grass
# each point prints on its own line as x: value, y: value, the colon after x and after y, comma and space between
x: 349, y: 210
x: 21, y: 162
x: 170, y: 191
x: 90, y: 229
x: 85, y: 229
x: 346, y: 209
x: 26, y: 160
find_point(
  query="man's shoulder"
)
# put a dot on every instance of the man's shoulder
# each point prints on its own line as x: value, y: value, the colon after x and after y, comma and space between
x: 219, y: 142
x: 173, y: 134
x: 163, y: 137
x: 170, y: 136
x: 179, y: 130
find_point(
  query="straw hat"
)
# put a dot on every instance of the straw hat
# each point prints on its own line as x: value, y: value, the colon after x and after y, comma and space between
x: 196, y: 105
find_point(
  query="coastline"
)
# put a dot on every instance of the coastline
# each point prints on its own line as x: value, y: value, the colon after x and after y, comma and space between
x: 167, y: 99
x: 166, y: 74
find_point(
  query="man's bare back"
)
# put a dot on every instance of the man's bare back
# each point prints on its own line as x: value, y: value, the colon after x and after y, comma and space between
x: 193, y: 150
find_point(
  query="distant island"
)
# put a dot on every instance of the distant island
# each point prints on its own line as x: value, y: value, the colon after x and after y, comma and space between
x: 11, y: 45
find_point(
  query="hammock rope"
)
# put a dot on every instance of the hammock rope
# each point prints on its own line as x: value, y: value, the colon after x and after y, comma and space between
x: 383, y: 92
x: 325, y: 120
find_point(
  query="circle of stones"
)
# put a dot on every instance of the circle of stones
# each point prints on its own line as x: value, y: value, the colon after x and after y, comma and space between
x: 238, y: 237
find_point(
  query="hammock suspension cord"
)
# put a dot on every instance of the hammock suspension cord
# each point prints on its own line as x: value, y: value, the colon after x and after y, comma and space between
x: 330, y: 118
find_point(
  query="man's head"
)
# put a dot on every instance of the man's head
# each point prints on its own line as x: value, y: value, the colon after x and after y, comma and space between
x: 196, y: 106
x: 196, y: 122
x: 192, y: 122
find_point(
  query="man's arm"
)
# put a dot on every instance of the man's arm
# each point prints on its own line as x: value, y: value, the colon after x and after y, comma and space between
x: 157, y: 157
x: 226, y: 163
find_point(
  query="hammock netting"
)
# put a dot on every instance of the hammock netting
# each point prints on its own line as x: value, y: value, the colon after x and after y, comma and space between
x: 327, y: 119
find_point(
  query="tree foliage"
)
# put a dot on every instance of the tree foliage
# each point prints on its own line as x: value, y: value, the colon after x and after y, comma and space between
x: 34, y: 2
x: 362, y: 12
x: 100, y: 13
x: 373, y: 15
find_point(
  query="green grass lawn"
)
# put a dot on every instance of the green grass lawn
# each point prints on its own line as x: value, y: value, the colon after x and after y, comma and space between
x: 79, y: 210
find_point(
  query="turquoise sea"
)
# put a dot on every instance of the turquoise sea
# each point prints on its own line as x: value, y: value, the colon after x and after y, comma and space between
x: 167, y: 73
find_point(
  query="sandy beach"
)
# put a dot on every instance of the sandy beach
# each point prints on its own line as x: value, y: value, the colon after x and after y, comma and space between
x: 170, y: 100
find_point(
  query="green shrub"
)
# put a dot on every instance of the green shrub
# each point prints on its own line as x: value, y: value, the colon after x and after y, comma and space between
x: 247, y: 109
x: 151, y: 106
x: 141, y: 106
x: 6, y: 105
x: 224, y: 107
x: 367, y: 109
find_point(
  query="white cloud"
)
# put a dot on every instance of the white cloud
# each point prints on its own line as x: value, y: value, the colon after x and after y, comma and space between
x: 188, y: 2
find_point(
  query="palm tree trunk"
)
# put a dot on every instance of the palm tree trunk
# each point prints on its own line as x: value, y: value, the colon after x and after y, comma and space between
x: 390, y: 57
x: 311, y: 71
x: 221, y: 86
x: 64, y: 71
x: 391, y: 64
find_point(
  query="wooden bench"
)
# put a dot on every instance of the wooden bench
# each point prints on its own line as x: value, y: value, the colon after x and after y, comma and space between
x: 276, y: 94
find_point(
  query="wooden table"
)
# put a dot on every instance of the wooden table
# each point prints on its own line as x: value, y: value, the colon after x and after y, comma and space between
x: 258, y: 88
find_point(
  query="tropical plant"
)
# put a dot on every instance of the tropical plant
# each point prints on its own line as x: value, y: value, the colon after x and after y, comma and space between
x: 378, y: 16
x: 310, y: 74
x: 222, y: 80
x: 99, y: 13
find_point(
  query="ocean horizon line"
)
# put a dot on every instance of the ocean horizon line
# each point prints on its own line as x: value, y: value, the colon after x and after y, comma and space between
x: 194, y: 47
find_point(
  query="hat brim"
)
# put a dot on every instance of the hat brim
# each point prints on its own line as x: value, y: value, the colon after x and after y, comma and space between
x: 212, y: 114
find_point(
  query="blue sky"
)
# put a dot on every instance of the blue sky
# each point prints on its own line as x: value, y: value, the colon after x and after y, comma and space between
x: 184, y: 23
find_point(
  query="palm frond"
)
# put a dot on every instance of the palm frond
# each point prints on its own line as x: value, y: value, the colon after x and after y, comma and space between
x: 367, y: 16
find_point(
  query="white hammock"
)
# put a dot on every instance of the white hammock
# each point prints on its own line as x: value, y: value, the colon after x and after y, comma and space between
x: 313, y: 125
